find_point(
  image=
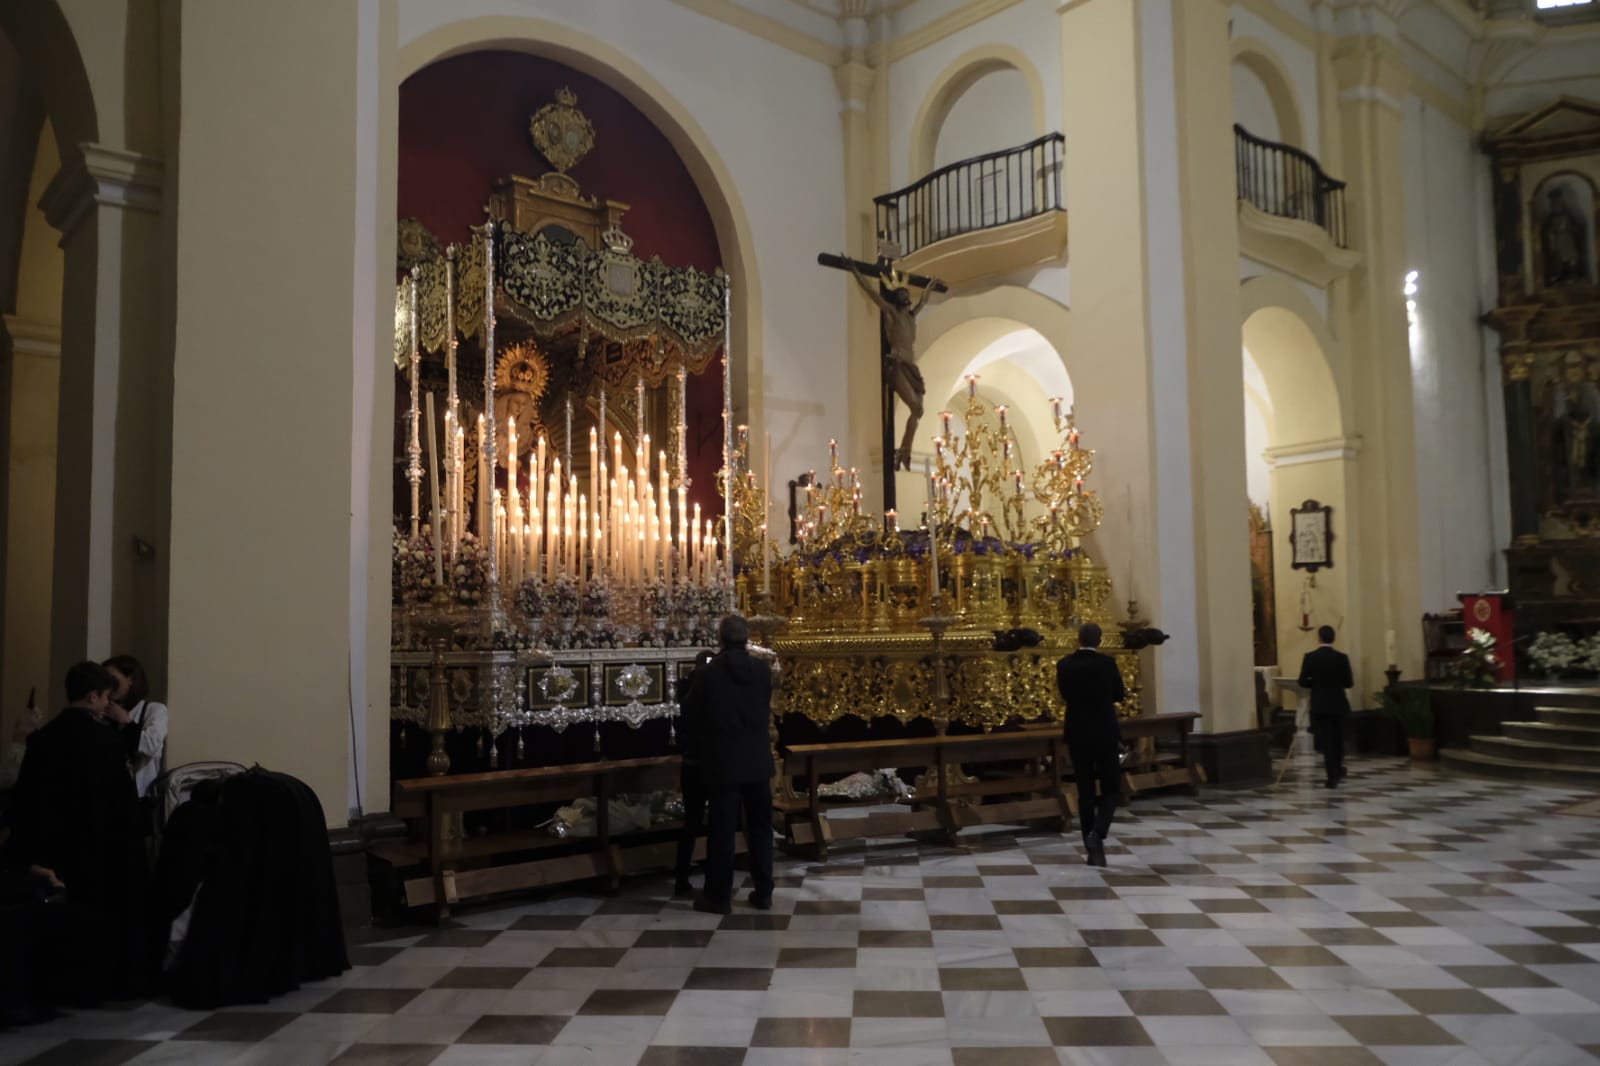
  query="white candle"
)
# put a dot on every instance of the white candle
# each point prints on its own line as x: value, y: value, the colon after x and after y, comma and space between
x: 694, y: 533
x: 459, y: 500
x: 552, y: 521
x: 433, y: 488
x: 1390, y: 653
x: 594, y: 476
x: 538, y: 531
x: 484, y: 488
x: 514, y: 542
x: 683, y: 542
x: 933, y: 535
x: 664, y: 540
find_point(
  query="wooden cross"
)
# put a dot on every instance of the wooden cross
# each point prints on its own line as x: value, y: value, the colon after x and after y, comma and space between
x: 880, y: 270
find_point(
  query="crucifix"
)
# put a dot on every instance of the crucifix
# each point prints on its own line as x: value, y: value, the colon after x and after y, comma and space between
x: 890, y: 291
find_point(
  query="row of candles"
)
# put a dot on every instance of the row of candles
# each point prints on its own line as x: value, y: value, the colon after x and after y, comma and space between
x: 630, y: 527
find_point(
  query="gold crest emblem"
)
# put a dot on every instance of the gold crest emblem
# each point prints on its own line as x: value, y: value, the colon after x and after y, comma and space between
x: 562, y: 133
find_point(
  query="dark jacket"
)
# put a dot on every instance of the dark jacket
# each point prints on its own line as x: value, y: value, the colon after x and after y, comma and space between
x: 1091, y: 686
x: 1325, y: 673
x: 266, y: 917
x: 75, y: 809
x: 726, y: 718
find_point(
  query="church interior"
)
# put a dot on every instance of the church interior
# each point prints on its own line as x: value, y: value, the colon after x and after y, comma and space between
x: 930, y: 337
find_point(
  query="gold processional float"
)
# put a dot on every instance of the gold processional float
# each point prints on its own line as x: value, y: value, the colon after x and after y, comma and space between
x: 569, y: 583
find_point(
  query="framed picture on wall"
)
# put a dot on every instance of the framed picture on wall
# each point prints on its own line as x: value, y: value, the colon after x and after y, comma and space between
x: 1311, y: 536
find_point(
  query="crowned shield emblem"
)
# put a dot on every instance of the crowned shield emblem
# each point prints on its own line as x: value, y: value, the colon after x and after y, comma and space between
x: 562, y: 133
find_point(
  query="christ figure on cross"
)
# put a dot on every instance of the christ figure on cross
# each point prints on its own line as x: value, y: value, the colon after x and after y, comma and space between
x: 900, y: 372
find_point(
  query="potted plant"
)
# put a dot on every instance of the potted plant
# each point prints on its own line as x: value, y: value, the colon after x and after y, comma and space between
x: 1411, y: 706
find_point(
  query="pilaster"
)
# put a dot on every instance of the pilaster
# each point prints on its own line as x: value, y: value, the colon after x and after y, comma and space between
x: 859, y: 87
x: 114, y: 423
x: 30, y: 362
x: 1372, y: 81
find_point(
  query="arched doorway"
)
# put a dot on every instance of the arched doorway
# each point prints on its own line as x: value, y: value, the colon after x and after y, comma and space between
x: 1297, y: 450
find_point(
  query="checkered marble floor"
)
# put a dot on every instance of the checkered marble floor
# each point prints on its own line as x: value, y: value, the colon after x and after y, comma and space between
x: 1413, y: 918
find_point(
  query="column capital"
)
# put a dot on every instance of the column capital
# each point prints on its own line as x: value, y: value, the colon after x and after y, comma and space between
x: 1371, y: 68
x: 95, y: 175
x: 32, y: 337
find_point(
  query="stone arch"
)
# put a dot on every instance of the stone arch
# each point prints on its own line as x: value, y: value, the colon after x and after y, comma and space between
x: 1311, y: 455
x: 49, y: 49
x: 1258, y: 58
x: 1297, y: 354
x: 951, y: 331
x: 593, y: 56
x: 955, y: 80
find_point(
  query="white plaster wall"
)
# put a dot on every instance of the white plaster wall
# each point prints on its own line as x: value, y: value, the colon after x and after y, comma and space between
x: 1031, y: 27
x: 1257, y: 434
x: 996, y: 112
x: 1457, y: 549
x: 1299, y: 61
x: 1252, y: 104
x: 773, y: 119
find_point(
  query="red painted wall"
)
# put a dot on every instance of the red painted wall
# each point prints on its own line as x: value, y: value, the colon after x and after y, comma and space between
x: 464, y: 124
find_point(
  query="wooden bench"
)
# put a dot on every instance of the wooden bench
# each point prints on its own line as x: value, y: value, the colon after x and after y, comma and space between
x: 460, y: 868
x: 940, y: 802
x: 1162, y: 769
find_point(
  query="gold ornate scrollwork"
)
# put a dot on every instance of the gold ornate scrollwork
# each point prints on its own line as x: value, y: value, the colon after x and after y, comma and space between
x: 562, y: 134
x: 1519, y: 366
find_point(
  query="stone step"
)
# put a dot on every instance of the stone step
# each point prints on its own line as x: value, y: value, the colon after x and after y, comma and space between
x: 1539, y: 751
x: 1535, y: 695
x: 1546, y: 733
x: 1520, y: 770
x: 1582, y: 717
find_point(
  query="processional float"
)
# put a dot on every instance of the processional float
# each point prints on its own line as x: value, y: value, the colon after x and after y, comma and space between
x: 552, y: 572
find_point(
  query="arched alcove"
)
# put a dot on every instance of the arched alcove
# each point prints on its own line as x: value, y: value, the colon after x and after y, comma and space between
x: 1016, y: 364
x: 592, y: 56
x: 1293, y: 398
x: 989, y: 77
x: 1264, y: 94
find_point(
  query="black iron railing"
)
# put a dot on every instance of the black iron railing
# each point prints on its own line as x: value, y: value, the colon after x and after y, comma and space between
x: 975, y: 194
x: 1284, y: 181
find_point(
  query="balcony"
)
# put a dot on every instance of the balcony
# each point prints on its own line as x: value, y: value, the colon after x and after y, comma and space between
x: 990, y: 215
x: 1291, y: 214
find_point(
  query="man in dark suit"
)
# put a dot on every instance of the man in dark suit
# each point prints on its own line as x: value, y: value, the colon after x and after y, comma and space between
x: 727, y: 714
x: 692, y: 787
x: 1091, y: 685
x: 1325, y: 674
x: 75, y: 824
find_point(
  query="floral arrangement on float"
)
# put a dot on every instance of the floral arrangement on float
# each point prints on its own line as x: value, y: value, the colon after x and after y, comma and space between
x: 1557, y: 655
x: 999, y: 543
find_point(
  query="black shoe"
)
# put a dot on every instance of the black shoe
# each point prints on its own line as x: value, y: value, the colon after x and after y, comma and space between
x: 710, y: 906
x: 1096, y: 845
x: 1343, y: 773
x: 760, y: 902
x: 682, y: 889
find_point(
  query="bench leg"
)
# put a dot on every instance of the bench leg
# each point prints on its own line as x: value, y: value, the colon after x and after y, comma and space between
x: 442, y: 882
x: 819, y: 822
